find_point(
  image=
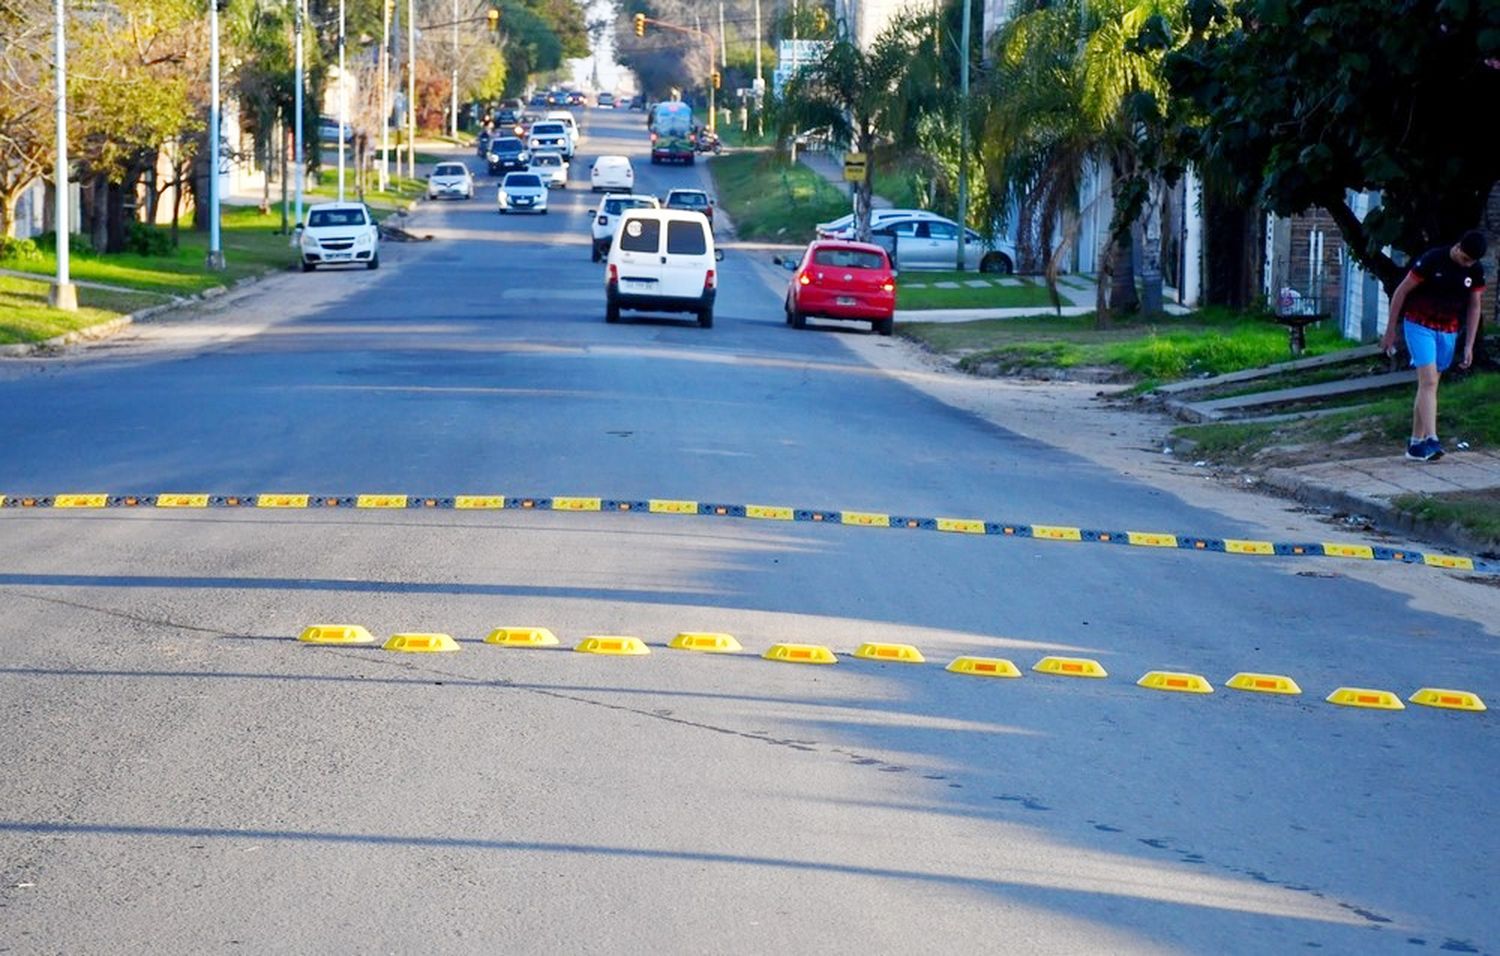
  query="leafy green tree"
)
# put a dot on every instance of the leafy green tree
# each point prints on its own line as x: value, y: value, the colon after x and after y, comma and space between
x: 27, y: 129
x: 1304, y: 100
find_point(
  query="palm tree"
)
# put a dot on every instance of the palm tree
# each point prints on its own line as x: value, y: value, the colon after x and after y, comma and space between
x: 1076, y: 88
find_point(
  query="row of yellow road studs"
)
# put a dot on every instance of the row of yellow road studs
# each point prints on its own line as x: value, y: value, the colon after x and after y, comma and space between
x: 718, y: 643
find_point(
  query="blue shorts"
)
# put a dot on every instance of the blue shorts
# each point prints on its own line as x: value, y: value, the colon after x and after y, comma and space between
x: 1429, y: 346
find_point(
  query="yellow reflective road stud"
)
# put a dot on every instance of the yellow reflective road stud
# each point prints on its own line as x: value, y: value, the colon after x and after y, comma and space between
x: 665, y: 506
x: 984, y: 667
x: 769, y: 512
x: 1335, y: 550
x: 613, y: 644
x: 1263, y: 683
x: 479, y: 502
x: 576, y: 504
x: 80, y: 501
x: 896, y: 653
x: 1053, y: 533
x: 1448, y: 561
x: 960, y: 525
x: 1150, y: 539
x: 281, y: 501
x: 521, y: 637
x: 380, y: 501
x: 421, y: 643
x: 335, y: 634
x: 706, y: 642
x: 800, y: 654
x: 1176, y: 682
x: 1365, y: 697
x: 1447, y: 699
x: 1234, y: 546
x: 1070, y: 667
x: 181, y: 501
x: 867, y: 518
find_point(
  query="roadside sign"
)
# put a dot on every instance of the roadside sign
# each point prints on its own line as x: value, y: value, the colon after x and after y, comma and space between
x: 855, y: 169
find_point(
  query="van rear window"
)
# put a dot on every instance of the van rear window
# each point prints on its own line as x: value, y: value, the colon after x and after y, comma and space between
x: 849, y: 259
x: 641, y: 235
x: 686, y: 238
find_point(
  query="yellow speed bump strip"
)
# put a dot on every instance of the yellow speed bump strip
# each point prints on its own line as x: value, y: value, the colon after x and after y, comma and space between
x: 1263, y: 683
x: 707, y: 642
x: 1070, y: 667
x: 380, y: 501
x: 1150, y: 539
x: 576, y: 504
x: 281, y: 501
x: 522, y: 637
x: 1447, y: 699
x: 800, y: 654
x: 614, y: 644
x: 479, y: 502
x: 336, y: 634
x: 662, y: 506
x: 81, y: 501
x: 1234, y: 546
x: 1180, y: 683
x: 961, y: 525
x: 770, y: 512
x: 181, y: 501
x: 984, y: 667
x: 900, y: 653
x: 423, y: 643
x: 1365, y: 697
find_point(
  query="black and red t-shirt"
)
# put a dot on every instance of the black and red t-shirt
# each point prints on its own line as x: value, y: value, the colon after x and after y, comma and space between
x: 1441, y: 298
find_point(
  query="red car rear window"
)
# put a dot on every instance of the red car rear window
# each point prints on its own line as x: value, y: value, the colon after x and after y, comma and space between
x: 849, y: 259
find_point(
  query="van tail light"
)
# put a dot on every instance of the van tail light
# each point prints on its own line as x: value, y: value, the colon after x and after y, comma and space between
x: 708, y: 280
x: 614, y: 274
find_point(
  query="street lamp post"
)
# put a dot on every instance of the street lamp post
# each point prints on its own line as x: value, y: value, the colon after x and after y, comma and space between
x: 453, y: 93
x: 343, y: 101
x: 385, y: 92
x: 297, y: 145
x: 963, y: 139
x: 411, y: 88
x: 64, y: 295
x: 215, y: 251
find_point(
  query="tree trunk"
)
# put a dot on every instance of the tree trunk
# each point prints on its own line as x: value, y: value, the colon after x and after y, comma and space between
x: 1106, y: 274
x: 1123, y: 297
x: 117, y: 224
x: 96, y: 225
x: 9, y: 199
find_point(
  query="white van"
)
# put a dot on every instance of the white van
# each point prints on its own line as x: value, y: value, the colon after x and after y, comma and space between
x: 662, y: 260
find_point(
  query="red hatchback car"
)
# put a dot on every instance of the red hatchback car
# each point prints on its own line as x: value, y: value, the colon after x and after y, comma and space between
x: 839, y: 279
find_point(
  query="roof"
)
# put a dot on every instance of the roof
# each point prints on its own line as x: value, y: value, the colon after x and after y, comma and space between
x: 845, y: 244
x: 336, y: 205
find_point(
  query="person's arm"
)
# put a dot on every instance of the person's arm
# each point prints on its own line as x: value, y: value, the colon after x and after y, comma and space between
x: 1398, y: 302
x: 1471, y: 326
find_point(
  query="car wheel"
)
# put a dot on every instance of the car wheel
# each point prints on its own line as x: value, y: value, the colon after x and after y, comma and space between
x: 611, y: 310
x: 374, y: 262
x: 798, y: 318
x: 706, y: 318
x: 884, y: 326
x: 307, y: 266
x: 998, y: 263
x: 594, y: 251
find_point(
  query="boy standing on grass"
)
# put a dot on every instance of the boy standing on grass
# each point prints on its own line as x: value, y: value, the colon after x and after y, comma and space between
x: 1441, y: 291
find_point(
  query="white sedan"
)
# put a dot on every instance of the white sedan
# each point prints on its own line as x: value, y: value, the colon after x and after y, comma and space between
x: 612, y: 172
x: 450, y: 179
x: 339, y: 233
x: 551, y: 167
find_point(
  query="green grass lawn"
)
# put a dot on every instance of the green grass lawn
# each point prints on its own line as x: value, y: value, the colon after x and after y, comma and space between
x: 994, y: 296
x: 249, y: 240
x: 772, y: 199
x: 402, y: 192
x: 25, y: 315
x: 1209, y: 342
x: 1477, y: 512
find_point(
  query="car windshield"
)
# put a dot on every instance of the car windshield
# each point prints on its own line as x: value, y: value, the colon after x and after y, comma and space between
x: 547, y: 159
x: 449, y: 169
x: 508, y: 144
x: 549, y: 129
x: 318, y: 218
x: 688, y: 200
x: 849, y: 259
x: 613, y: 207
x: 513, y: 182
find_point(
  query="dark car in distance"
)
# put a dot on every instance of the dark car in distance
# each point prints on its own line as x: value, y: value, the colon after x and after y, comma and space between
x: 506, y: 154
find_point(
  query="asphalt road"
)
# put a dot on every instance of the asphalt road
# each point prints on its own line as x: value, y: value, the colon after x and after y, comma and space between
x: 181, y: 775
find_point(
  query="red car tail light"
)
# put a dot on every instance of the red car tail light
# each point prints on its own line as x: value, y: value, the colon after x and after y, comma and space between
x: 803, y: 279
x: 888, y: 285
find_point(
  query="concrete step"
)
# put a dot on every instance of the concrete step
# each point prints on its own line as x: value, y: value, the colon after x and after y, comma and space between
x: 1178, y: 389
x: 1242, y: 405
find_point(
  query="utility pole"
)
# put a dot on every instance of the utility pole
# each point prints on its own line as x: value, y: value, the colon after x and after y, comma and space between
x: 454, y: 91
x: 64, y: 294
x: 723, y: 40
x: 215, y: 252
x: 343, y: 101
x: 297, y: 120
x: 411, y: 88
x: 963, y: 139
x: 760, y: 77
x: 385, y: 93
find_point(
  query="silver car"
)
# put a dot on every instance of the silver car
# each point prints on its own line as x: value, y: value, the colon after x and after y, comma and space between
x: 522, y: 192
x: 931, y: 242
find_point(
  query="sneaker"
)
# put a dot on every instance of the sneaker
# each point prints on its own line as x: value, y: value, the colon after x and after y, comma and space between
x: 1434, y: 449
x: 1428, y: 449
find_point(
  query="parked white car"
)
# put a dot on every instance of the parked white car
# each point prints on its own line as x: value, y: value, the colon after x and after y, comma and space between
x: 551, y: 167
x: 522, y: 192
x: 662, y: 260
x: 450, y: 180
x: 550, y: 134
x: 606, y: 219
x: 339, y: 233
x: 612, y: 172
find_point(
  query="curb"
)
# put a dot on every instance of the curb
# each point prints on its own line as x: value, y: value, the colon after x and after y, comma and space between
x: 112, y: 327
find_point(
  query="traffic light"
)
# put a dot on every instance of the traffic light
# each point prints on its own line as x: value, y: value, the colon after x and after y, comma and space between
x: 640, y: 24
x: 718, y: 79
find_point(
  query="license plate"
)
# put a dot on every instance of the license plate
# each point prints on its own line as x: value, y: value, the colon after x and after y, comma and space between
x: 846, y: 300
x: 638, y: 285
x: 336, y: 256
x: 523, y: 202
